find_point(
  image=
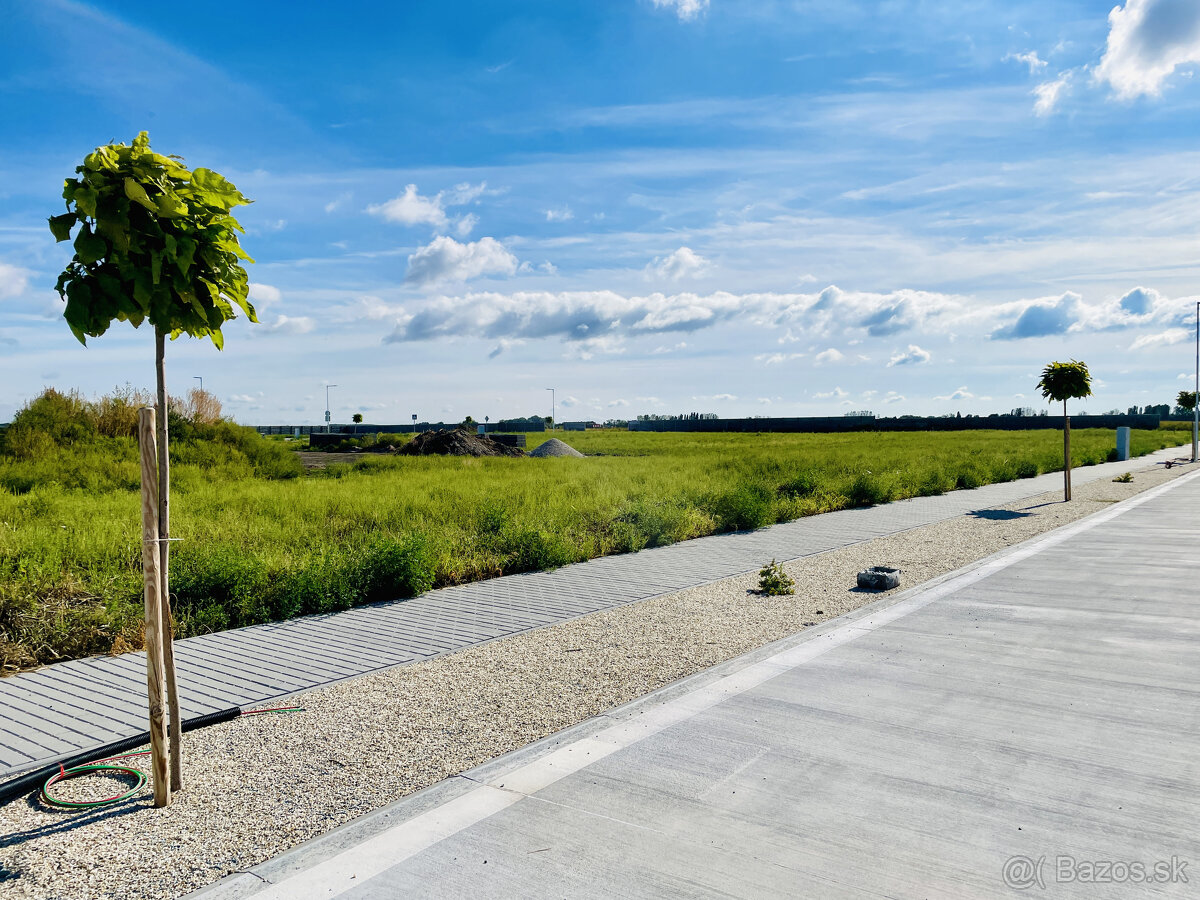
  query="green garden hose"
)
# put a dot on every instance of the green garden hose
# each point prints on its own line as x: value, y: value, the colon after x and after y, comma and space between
x: 104, y: 766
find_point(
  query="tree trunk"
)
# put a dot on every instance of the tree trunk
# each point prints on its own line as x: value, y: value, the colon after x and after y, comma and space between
x: 164, y: 554
x: 1066, y: 453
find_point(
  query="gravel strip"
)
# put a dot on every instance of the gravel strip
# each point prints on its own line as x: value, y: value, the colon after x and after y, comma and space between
x: 258, y: 786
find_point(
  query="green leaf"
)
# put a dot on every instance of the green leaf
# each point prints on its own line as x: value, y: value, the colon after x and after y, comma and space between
x: 214, y: 190
x: 90, y: 248
x: 170, y: 206
x: 137, y: 194
x: 85, y: 197
x: 60, y: 226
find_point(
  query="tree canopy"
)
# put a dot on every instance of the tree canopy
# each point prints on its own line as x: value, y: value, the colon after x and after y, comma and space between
x: 1063, y: 381
x: 156, y: 242
x: 1186, y: 399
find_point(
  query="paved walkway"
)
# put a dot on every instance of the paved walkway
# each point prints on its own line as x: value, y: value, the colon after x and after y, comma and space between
x: 1030, y: 722
x: 69, y: 707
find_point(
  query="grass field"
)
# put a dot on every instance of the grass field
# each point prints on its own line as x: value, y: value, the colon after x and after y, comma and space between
x: 261, y: 541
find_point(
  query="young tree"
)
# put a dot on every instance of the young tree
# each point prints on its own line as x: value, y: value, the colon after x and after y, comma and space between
x: 1062, y: 382
x: 155, y: 243
x: 1186, y: 400
x: 357, y: 418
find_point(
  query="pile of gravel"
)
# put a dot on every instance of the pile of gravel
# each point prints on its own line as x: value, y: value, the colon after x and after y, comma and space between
x: 555, y: 447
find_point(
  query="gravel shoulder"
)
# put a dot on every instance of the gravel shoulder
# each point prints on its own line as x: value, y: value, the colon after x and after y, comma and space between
x: 258, y: 786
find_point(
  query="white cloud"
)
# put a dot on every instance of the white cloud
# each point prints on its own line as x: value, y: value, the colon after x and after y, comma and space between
x: 685, y: 9
x: 289, y: 325
x: 682, y: 345
x: 893, y: 397
x: 462, y: 194
x: 1147, y: 41
x: 561, y: 214
x: 445, y: 259
x: 410, y: 208
x: 913, y: 356
x: 1050, y: 93
x: 370, y: 308
x: 829, y: 356
x: 682, y: 263
x: 466, y: 224
x: 765, y: 401
x: 836, y: 394
x: 578, y: 315
x: 569, y: 401
x: 1030, y: 59
x: 1161, y: 339
x: 264, y: 295
x: 613, y: 404
x: 774, y: 359
x: 13, y: 281
x: 961, y: 394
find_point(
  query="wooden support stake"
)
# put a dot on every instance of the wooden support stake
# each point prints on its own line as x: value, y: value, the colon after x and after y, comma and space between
x: 155, y: 674
x: 164, y: 556
x: 1066, y: 452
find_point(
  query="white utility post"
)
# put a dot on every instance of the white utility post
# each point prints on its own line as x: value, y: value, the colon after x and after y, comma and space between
x: 327, y: 387
x: 553, y: 413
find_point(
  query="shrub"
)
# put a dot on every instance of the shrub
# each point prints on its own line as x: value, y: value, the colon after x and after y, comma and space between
x: 531, y: 550
x: 391, y: 568
x: 1027, y: 469
x: 219, y: 587
x: 774, y: 582
x: 867, y: 490
x: 745, y: 507
x: 1124, y: 479
x: 804, y: 484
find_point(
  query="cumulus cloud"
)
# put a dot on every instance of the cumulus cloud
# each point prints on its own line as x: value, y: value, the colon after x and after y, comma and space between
x: 288, y: 325
x: 1161, y: 339
x: 445, y: 259
x: 1147, y: 41
x: 836, y: 394
x: 410, y: 208
x: 831, y: 355
x: 264, y: 296
x: 893, y: 397
x: 682, y: 263
x: 961, y: 394
x: 687, y: 10
x: 619, y: 402
x: 913, y: 356
x: 13, y: 281
x: 1042, y: 318
x: 581, y: 315
x: 1030, y: 59
x: 1050, y: 93
x: 560, y: 214
x: 774, y: 359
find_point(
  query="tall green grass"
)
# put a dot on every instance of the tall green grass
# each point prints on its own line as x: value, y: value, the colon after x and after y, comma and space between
x: 258, y: 542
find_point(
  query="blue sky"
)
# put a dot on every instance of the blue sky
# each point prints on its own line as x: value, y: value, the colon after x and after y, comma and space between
x: 748, y: 207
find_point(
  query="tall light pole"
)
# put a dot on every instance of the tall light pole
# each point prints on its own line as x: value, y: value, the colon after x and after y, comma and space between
x: 199, y: 378
x: 1196, y: 396
x: 553, y: 414
x: 327, y: 387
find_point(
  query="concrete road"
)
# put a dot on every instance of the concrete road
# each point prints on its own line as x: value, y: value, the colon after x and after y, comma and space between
x: 1029, y: 725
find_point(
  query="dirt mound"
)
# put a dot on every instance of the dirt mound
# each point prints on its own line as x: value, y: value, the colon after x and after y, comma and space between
x: 555, y: 447
x: 456, y: 442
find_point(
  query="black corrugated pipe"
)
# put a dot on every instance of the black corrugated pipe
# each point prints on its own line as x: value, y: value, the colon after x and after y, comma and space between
x: 32, y: 781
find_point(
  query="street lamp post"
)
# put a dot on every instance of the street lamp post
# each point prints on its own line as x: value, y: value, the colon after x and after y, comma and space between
x: 327, y: 387
x: 199, y: 378
x: 553, y: 413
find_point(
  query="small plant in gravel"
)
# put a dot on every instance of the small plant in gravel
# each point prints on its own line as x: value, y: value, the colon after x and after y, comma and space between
x: 774, y: 582
x: 1124, y: 479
